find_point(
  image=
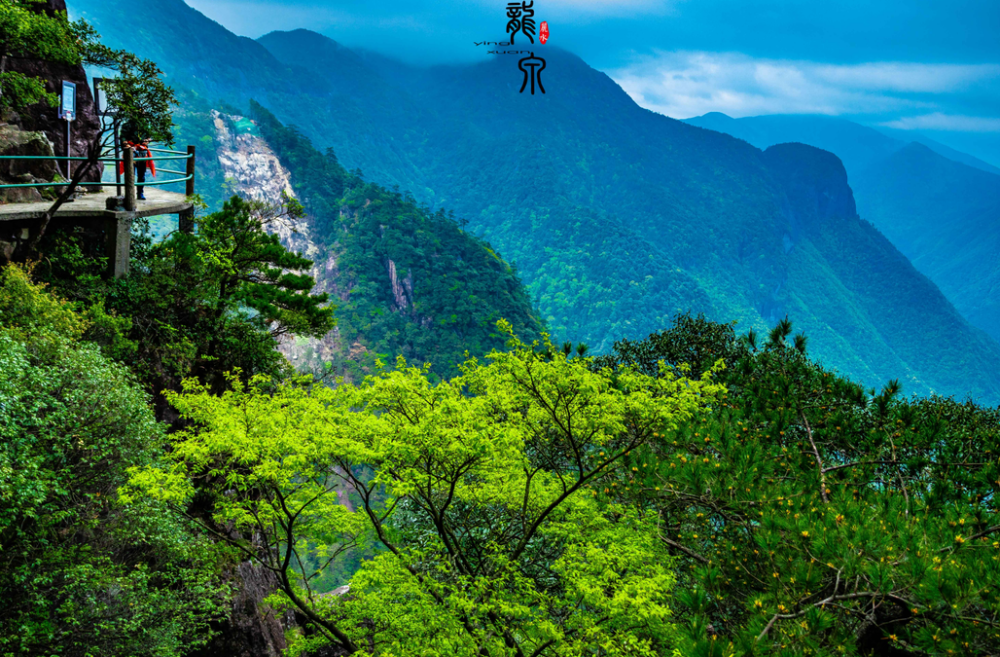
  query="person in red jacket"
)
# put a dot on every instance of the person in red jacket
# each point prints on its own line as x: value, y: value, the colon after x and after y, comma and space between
x: 140, y: 150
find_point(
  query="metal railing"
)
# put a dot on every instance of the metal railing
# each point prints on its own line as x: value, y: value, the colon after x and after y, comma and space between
x: 127, y: 162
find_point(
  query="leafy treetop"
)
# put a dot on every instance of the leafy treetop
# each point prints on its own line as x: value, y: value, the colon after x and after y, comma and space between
x: 477, y: 491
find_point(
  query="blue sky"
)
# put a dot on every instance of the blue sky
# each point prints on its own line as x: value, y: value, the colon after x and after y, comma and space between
x: 931, y: 66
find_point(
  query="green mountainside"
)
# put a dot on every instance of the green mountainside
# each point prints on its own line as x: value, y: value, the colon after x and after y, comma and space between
x: 616, y: 217
x: 843, y: 281
x: 945, y: 216
x: 938, y: 206
x: 406, y: 281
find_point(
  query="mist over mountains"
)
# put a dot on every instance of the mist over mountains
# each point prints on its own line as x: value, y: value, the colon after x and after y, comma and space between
x: 859, y: 147
x: 938, y: 206
x: 616, y: 217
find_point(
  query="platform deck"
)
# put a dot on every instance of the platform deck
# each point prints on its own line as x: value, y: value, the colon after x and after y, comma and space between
x: 95, y: 206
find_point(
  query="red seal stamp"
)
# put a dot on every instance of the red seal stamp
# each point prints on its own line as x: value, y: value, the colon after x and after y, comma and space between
x: 543, y: 32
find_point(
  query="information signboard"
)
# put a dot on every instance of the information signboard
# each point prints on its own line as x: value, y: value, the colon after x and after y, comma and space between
x: 67, y: 109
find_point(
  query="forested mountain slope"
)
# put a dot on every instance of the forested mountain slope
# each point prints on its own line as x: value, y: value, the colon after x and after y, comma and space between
x: 945, y: 216
x: 938, y: 206
x: 617, y: 217
x: 405, y: 281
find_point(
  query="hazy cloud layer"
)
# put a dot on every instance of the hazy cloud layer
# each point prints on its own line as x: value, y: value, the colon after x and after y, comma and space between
x: 565, y: 9
x: 929, y: 65
x: 686, y: 84
x: 948, y: 122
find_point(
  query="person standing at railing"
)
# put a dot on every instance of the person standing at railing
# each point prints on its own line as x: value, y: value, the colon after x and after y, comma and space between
x: 140, y: 147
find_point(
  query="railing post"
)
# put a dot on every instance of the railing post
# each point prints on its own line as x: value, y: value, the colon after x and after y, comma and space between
x: 129, y: 165
x: 189, y: 188
x: 117, y: 141
x: 185, y: 221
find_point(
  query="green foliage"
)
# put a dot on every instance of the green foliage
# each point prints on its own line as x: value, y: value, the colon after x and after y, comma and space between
x: 196, y: 305
x: 254, y: 271
x: 138, y: 95
x: 30, y: 313
x: 813, y: 518
x: 25, y: 31
x: 82, y: 573
x: 480, y: 497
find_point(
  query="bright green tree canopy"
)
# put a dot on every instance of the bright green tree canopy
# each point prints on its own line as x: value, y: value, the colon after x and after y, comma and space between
x: 477, y: 492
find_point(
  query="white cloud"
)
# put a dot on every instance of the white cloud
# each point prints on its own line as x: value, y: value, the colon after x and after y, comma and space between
x: 908, y: 77
x: 950, y: 122
x: 571, y: 10
x: 686, y: 84
x: 615, y: 6
x: 254, y: 19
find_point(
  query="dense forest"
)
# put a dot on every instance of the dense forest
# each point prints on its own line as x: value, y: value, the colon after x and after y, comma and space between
x: 170, y: 485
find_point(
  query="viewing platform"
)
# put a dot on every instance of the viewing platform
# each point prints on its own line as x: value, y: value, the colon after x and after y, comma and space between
x: 109, y: 217
x: 94, y: 206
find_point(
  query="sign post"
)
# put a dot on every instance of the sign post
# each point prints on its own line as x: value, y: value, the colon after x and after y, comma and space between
x: 67, y: 111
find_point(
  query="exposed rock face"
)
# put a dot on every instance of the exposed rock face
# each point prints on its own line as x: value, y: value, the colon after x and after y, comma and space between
x: 248, y: 160
x: 402, y: 289
x: 14, y: 141
x: 44, y: 118
x: 255, y: 171
x: 814, y: 181
x: 252, y: 629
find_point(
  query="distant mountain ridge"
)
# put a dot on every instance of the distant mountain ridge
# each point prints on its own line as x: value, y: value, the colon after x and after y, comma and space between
x: 856, y: 145
x: 946, y: 217
x: 941, y: 208
x: 616, y: 217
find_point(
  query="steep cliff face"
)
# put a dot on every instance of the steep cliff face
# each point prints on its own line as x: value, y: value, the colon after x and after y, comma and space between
x: 250, y: 164
x: 253, y: 170
x: 873, y: 301
x: 814, y: 181
x: 938, y: 206
x: 43, y: 118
